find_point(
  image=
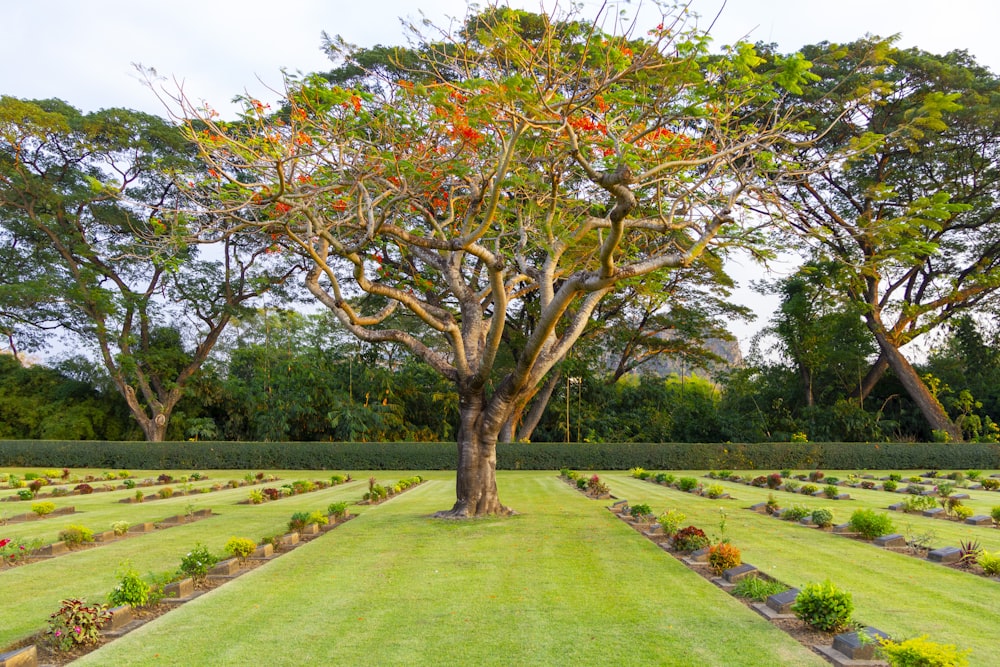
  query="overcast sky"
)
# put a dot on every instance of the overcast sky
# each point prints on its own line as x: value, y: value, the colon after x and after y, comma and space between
x: 82, y: 51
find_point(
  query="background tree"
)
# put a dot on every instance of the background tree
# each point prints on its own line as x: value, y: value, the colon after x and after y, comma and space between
x: 526, y: 155
x: 914, y: 222
x: 81, y: 197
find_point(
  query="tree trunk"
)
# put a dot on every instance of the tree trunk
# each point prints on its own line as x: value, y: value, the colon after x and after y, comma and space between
x: 871, y: 378
x: 538, y: 406
x: 475, y: 480
x: 929, y: 406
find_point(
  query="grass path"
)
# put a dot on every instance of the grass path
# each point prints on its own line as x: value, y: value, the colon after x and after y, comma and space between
x: 563, y: 583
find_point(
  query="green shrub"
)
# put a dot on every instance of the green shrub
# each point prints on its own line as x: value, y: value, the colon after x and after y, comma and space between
x: 824, y: 607
x: 889, y: 485
x: 963, y: 512
x: 338, y: 509
x: 990, y: 484
x: 715, y: 491
x: 318, y: 518
x: 120, y: 527
x: 43, y: 508
x: 165, y: 492
x: 919, y: 652
x: 131, y: 589
x: 990, y: 563
x: 795, y: 513
x: 76, y: 623
x: 198, y: 562
x: 918, y: 503
x: 755, y: 588
x: 665, y: 479
x: 690, y: 539
x: 74, y: 536
x: 687, y: 484
x: 870, y: 524
x: 671, y: 521
x: 995, y: 514
x: 298, y: 521
x: 25, y: 494
x: 790, y: 485
x: 240, y: 547
x: 256, y: 496
x: 638, y: 473
x: 830, y: 491
x: 640, y: 511
x: 822, y: 518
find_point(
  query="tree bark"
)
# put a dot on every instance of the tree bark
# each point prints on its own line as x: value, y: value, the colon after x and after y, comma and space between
x: 538, y: 406
x: 929, y: 406
x: 871, y: 378
x: 475, y: 479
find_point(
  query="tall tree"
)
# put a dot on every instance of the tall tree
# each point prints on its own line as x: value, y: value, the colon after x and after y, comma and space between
x: 914, y: 222
x: 81, y: 202
x: 523, y: 154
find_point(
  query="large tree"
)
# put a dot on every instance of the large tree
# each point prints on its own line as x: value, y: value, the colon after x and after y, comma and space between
x: 912, y: 223
x: 82, y: 201
x: 521, y: 155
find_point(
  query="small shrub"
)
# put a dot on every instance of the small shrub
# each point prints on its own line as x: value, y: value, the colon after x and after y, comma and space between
x: 723, y: 556
x: 16, y: 550
x: 139, y: 497
x: 963, y: 512
x: 919, y: 652
x: 240, y: 547
x: 870, y: 524
x: 868, y: 484
x: 715, y: 491
x: 666, y: 479
x: 76, y: 623
x: 690, y: 539
x: 271, y: 493
x: 120, y: 527
x: 687, y: 484
x: 830, y: 491
x: 786, y: 473
x: 198, y: 562
x: 165, y: 492
x: 990, y: 563
x: 74, y: 536
x: 25, y: 494
x: 129, y: 483
x: 771, y: 506
x: 131, y: 589
x: 795, y: 513
x: 256, y: 496
x: 671, y: 521
x: 918, y: 503
x: 340, y: 479
x: 317, y: 518
x: 298, y: 521
x: 581, y: 483
x: 759, y: 481
x: 164, y: 478
x: 755, y: 588
x: 43, y: 509
x: 832, y: 481
x: 37, y: 484
x: 973, y: 474
x: 337, y: 510
x: 774, y: 480
x: 969, y: 552
x: 889, y: 485
x: 641, y: 511
x: 822, y: 518
x: 895, y: 477
x: 990, y: 483
x: 791, y: 485
x: 815, y: 476
x: 824, y: 607
x: 638, y: 473
x: 725, y: 474
x: 808, y: 489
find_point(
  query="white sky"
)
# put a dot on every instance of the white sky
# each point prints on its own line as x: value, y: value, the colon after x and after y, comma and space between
x: 81, y: 51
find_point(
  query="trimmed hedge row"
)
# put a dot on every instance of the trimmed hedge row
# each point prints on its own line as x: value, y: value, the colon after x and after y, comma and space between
x: 510, y: 456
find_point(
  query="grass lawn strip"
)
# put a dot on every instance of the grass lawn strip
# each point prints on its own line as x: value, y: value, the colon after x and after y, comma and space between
x: 564, y: 582
x: 34, y: 592
x: 900, y: 595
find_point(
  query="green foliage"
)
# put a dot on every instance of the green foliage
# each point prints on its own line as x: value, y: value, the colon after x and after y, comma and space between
x: 240, y: 547
x: 74, y: 536
x: 25, y: 494
x: 337, y: 509
x: 918, y: 503
x: 757, y: 588
x: 640, y: 511
x: 256, y: 496
x: 889, y: 485
x: 690, y: 539
x: 824, y: 606
x: 671, y: 521
x: 795, y: 513
x: 714, y: 491
x: 131, y: 589
x: 43, y: 508
x: 990, y: 563
x: 197, y: 562
x: 870, y: 524
x: 120, y: 527
x: 822, y: 518
x: 76, y: 623
x: 298, y: 521
x: 687, y: 484
x: 920, y: 652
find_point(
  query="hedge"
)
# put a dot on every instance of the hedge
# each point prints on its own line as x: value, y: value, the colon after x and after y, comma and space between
x: 510, y: 456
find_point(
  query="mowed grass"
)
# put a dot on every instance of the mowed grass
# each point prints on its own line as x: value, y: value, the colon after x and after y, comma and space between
x: 896, y: 593
x: 562, y: 583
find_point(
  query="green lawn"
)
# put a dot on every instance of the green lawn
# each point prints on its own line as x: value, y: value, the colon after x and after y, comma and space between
x: 563, y: 582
